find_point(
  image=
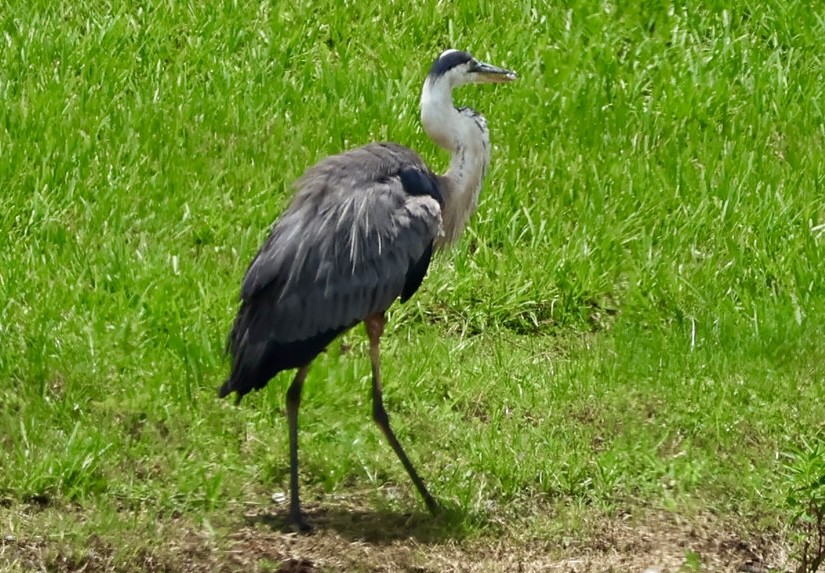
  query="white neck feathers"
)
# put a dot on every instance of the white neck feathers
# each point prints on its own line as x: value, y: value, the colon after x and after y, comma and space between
x: 464, y: 134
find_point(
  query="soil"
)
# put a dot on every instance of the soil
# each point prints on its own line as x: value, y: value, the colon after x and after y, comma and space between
x: 349, y: 539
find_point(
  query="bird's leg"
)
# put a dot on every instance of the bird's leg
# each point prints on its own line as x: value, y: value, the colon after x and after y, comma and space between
x: 375, y: 327
x: 293, y: 402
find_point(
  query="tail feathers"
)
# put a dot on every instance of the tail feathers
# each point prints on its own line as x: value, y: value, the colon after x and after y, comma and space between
x: 252, y: 368
x: 246, y: 358
x: 255, y: 364
x: 227, y: 388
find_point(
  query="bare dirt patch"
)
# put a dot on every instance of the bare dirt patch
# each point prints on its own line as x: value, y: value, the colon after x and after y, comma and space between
x: 354, y: 540
x: 660, y: 542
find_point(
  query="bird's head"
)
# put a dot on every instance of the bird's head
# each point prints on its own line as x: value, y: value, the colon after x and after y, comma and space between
x: 457, y: 68
x: 445, y: 125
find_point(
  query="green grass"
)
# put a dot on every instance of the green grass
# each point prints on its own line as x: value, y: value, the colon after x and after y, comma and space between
x: 635, y: 318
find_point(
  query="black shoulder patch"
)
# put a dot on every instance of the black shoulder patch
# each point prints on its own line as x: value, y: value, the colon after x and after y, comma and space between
x: 448, y: 61
x: 419, y: 182
x: 416, y: 273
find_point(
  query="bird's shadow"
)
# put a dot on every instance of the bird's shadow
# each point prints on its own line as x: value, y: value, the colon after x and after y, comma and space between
x: 372, y: 526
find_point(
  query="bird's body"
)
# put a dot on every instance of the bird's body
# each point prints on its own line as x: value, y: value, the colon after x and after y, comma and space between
x: 369, y: 243
x: 358, y: 235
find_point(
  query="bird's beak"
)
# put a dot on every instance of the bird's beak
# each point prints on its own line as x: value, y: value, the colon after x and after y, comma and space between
x: 488, y: 73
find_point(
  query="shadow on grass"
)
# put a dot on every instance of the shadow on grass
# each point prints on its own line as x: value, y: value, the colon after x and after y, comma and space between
x: 373, y: 526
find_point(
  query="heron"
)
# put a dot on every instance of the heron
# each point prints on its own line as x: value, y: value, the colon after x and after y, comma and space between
x: 358, y: 234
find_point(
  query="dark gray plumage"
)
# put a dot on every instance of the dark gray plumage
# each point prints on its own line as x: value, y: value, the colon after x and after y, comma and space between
x: 358, y: 235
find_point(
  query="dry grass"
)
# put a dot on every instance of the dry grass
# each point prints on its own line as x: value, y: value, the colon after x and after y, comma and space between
x: 354, y: 538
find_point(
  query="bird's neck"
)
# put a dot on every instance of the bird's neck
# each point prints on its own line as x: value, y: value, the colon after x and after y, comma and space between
x: 464, y: 134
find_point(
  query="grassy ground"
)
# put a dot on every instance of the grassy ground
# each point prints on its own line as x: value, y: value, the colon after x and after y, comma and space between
x: 624, y: 346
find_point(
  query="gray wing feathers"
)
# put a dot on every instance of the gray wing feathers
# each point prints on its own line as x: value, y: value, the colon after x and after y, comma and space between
x: 342, y: 249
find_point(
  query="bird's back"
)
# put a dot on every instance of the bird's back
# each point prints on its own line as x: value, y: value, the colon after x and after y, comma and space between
x: 357, y: 235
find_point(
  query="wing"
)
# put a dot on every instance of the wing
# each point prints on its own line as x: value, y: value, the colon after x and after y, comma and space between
x: 358, y: 235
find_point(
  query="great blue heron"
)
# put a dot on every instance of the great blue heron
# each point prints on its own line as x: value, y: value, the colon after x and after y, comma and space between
x: 359, y: 234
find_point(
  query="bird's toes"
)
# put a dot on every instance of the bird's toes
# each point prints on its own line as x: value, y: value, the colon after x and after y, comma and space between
x: 434, y: 507
x: 299, y: 525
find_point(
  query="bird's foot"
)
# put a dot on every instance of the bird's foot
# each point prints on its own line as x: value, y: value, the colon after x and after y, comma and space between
x: 299, y: 524
x: 433, y: 506
x: 447, y: 513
